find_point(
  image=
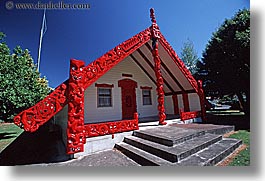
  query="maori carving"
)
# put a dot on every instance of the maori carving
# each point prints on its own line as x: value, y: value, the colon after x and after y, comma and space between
x: 100, y: 66
x: 196, y: 85
x: 36, y: 116
x: 75, y: 128
x: 178, y: 61
x: 100, y: 129
x: 159, y: 79
x: 154, y: 27
x: 189, y: 115
x: 43, y: 111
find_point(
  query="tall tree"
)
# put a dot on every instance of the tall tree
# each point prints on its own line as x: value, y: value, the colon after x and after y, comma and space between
x: 226, y: 58
x: 189, y: 56
x: 20, y: 83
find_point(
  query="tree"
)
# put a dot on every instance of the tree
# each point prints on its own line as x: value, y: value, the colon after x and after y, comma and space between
x: 20, y: 83
x: 226, y: 59
x: 189, y: 56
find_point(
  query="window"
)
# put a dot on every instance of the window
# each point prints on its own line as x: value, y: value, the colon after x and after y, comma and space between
x: 147, y: 97
x: 104, y: 97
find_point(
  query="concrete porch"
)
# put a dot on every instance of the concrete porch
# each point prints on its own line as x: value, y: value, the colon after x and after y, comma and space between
x: 171, y: 145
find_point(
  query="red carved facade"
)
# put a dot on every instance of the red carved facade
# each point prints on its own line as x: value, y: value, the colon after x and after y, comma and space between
x: 101, y: 129
x: 103, y: 64
x: 71, y: 92
x: 32, y: 118
x: 189, y: 115
x: 75, y: 128
x: 43, y: 111
x: 178, y: 61
x: 185, y: 71
x: 159, y: 79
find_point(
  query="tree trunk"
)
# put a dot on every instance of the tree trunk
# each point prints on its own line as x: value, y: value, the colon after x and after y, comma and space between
x: 244, y: 105
x: 241, y: 101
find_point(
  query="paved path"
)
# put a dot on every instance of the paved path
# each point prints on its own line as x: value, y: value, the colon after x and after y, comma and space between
x: 108, y: 158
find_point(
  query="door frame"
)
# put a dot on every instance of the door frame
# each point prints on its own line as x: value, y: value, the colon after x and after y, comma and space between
x: 126, y: 84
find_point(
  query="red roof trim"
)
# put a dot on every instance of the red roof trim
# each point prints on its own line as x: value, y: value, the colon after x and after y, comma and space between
x: 104, y: 63
x: 178, y: 62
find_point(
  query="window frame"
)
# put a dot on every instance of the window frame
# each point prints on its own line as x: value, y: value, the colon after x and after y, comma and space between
x: 110, y: 96
x: 147, y: 96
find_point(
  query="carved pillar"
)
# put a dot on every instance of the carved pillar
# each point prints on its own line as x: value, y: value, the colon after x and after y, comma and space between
x: 159, y: 79
x: 75, y: 128
x: 175, y: 104
x: 186, y: 104
x: 202, y: 100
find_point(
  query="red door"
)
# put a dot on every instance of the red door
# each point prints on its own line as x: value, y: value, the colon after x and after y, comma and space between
x: 128, y: 98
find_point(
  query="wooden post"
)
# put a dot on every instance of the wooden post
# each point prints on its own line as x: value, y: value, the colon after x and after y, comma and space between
x: 185, y: 98
x: 75, y: 128
x: 159, y: 78
x: 175, y: 104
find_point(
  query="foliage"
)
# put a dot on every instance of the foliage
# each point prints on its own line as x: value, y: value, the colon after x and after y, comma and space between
x: 226, y: 59
x: 189, y: 56
x: 20, y: 83
x: 243, y: 158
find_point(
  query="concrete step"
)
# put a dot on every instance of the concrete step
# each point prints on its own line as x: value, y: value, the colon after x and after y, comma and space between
x: 208, y: 128
x: 177, y: 152
x: 168, y: 136
x: 221, y: 131
x: 140, y: 156
x: 213, y: 154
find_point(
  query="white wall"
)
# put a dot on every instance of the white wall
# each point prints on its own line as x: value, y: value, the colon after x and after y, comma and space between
x: 194, y: 102
x: 127, y: 66
x: 180, y: 101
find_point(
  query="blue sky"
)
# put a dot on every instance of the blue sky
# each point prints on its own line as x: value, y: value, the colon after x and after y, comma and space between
x: 88, y: 34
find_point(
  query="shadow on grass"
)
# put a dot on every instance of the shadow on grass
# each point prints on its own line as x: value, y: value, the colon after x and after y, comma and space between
x: 241, y: 122
x: 41, y: 146
x: 7, y: 135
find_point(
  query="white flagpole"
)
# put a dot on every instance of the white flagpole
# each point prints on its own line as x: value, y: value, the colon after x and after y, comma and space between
x: 42, y: 31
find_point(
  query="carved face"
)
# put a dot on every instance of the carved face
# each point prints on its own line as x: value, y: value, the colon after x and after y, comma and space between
x: 77, y: 67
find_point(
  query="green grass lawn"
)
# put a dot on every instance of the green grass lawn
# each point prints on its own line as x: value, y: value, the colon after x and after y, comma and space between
x: 243, y: 158
x: 8, y: 133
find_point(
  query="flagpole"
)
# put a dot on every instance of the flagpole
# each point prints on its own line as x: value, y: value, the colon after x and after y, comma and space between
x: 41, y: 36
